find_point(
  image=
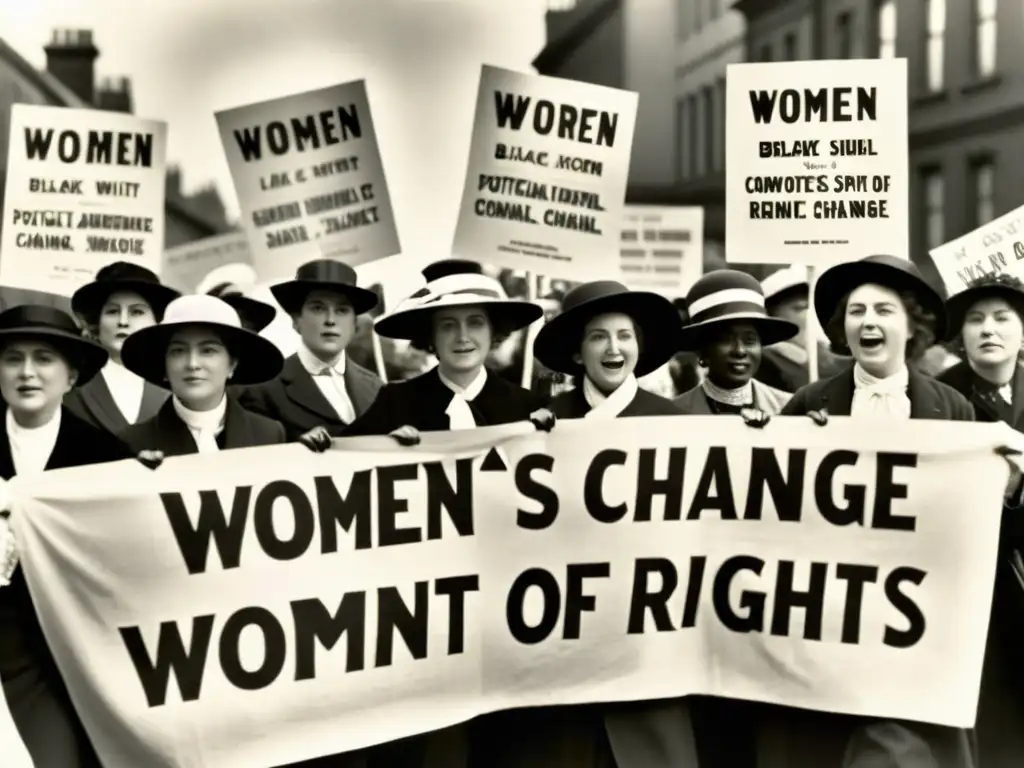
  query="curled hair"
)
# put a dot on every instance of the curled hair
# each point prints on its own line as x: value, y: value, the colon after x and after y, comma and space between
x: 499, y: 334
x: 922, y: 327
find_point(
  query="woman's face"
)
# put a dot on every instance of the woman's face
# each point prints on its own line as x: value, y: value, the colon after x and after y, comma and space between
x: 462, y: 338
x: 877, y: 329
x: 732, y: 354
x: 610, y: 350
x: 198, y: 367
x: 123, y: 313
x: 34, y: 377
x: 992, y: 333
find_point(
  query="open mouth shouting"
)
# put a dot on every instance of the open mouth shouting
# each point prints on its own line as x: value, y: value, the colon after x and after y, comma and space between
x: 872, y: 342
x: 613, y: 366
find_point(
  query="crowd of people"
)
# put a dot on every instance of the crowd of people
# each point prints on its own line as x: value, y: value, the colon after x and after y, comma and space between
x: 141, y: 372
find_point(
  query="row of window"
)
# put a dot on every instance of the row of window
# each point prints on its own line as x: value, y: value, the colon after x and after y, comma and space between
x: 983, y: 39
x: 981, y: 200
x: 700, y: 132
x: 693, y: 15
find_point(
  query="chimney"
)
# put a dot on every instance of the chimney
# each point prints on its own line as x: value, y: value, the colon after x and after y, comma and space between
x: 71, y: 58
x: 115, y: 95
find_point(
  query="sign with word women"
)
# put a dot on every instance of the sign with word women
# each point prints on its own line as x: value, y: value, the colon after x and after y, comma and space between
x: 376, y: 592
x: 84, y: 188
x: 309, y: 179
x: 816, y: 161
x: 546, y: 184
x: 992, y: 249
x: 662, y: 248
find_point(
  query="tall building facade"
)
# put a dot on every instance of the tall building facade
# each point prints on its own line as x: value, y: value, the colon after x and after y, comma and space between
x: 966, y: 94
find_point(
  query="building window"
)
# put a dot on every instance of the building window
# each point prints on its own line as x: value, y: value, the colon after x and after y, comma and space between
x: 682, y: 169
x: 693, y: 140
x: 789, y: 45
x: 711, y: 138
x: 844, y: 35
x: 935, y: 45
x: 984, y: 38
x: 720, y: 144
x: 698, y: 14
x: 766, y: 52
x: 886, y: 27
x: 934, y: 201
x: 983, y: 183
x: 683, y: 12
x: 714, y: 9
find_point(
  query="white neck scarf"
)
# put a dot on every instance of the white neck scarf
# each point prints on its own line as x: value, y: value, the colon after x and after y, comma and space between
x: 880, y: 397
x: 609, y: 406
x: 204, y: 425
x: 31, y: 446
x: 740, y: 397
x: 460, y: 415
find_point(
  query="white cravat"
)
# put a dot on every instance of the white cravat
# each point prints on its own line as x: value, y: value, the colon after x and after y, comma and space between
x: 330, y: 380
x: 880, y: 397
x: 604, y: 406
x: 460, y: 415
x: 740, y: 397
x: 31, y: 446
x: 204, y: 425
x: 125, y: 389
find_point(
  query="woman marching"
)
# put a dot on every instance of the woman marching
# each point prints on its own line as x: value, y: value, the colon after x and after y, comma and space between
x: 987, y: 320
x: 881, y: 311
x: 43, y: 357
x: 124, y: 298
x: 729, y: 326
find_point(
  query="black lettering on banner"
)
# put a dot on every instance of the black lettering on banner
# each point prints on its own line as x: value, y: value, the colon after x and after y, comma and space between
x: 787, y: 597
x: 302, y: 513
x: 694, y: 588
x: 593, y: 496
x: 280, y: 137
x: 786, y: 492
x: 643, y: 599
x: 715, y: 472
x: 527, y: 486
x: 274, y: 645
x: 171, y: 657
x: 351, y: 510
x: 886, y: 491
x: 576, y: 600
x: 904, y: 638
x: 413, y: 625
x: 552, y: 596
x: 389, y: 506
x: 670, y: 486
x: 194, y: 542
x: 455, y: 589
x: 584, y: 125
x: 753, y: 621
x: 121, y: 148
x: 456, y: 499
x: 315, y: 624
x: 853, y: 512
x: 823, y: 105
x: 855, y: 576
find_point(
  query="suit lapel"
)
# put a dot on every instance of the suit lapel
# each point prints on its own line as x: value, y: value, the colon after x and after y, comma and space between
x: 171, y: 433
x: 303, y: 391
x: 237, y: 432
x: 923, y: 402
x: 153, y: 397
x: 6, y: 459
x: 359, y: 388
x: 836, y: 396
x: 97, y: 398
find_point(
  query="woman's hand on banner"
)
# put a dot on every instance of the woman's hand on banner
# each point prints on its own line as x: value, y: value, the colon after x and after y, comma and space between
x: 543, y: 419
x: 1013, y: 485
x: 755, y: 417
x: 318, y: 439
x: 8, y: 552
x: 407, y: 435
x: 819, y: 417
x: 151, y: 459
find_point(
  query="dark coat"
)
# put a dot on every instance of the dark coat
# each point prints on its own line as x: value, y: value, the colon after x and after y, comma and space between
x: 797, y: 738
x: 294, y: 399
x: 167, y: 433
x: 998, y: 730
x: 573, y: 405
x: 33, y: 686
x: 94, y: 403
x: 777, y: 370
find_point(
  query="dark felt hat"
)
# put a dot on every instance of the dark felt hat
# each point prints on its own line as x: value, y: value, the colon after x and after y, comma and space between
x: 890, y: 271
x: 655, y: 317
x: 144, y: 352
x: 323, y: 274
x: 730, y: 296
x: 87, y: 302
x: 256, y: 315
x: 447, y: 267
x: 58, y: 329
x: 1001, y: 286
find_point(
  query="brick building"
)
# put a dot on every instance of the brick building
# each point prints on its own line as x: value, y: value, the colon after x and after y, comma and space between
x: 966, y: 94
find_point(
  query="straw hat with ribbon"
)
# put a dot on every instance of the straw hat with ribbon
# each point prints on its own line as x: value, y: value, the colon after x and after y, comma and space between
x: 323, y: 274
x: 87, y: 302
x: 730, y: 296
x: 33, y: 322
x: 411, y: 320
x: 144, y: 352
x: 784, y: 283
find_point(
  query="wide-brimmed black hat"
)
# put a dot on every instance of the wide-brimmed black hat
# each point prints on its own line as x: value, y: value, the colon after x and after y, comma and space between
x: 447, y: 267
x: 87, y: 302
x: 323, y: 274
x: 58, y: 329
x: 256, y: 315
x: 889, y: 271
x: 144, y: 352
x: 559, y: 341
x: 730, y: 296
x: 1002, y: 286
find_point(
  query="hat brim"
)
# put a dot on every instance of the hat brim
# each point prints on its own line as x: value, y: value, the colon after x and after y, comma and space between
x: 409, y: 324
x: 87, y: 302
x: 258, y: 359
x: 253, y: 312
x: 657, y: 319
x: 86, y: 357
x: 958, y: 305
x: 770, y: 330
x: 292, y: 294
x: 837, y: 281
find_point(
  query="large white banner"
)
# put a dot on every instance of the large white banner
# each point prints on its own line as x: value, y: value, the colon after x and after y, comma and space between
x: 266, y: 606
x: 816, y: 161
x: 84, y: 188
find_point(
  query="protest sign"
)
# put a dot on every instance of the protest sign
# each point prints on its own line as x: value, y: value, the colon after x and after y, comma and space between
x: 991, y: 249
x: 816, y: 161
x: 546, y: 182
x: 662, y: 248
x: 185, y: 266
x: 84, y: 188
x: 309, y: 178
x: 373, y: 592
